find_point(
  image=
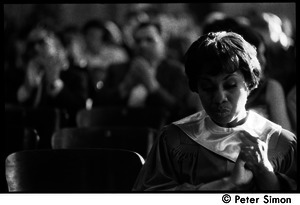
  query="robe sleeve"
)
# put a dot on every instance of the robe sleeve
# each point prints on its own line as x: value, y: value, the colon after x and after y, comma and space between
x: 159, y: 172
x: 284, y: 161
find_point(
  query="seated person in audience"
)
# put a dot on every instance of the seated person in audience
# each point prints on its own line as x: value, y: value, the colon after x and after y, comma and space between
x: 149, y: 79
x: 224, y: 146
x: 74, y: 44
x: 13, y: 72
x: 268, y: 99
x: 281, y: 47
x: 292, y: 108
x: 48, y: 81
x: 100, y: 50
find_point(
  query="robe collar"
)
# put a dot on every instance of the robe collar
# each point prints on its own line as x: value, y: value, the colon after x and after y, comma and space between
x: 222, y: 140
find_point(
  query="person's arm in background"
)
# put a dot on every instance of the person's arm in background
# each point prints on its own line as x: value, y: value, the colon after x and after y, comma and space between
x: 170, y: 90
x: 292, y: 108
x: 275, y: 98
x: 116, y: 86
x: 173, y: 92
x: 27, y: 93
x: 75, y: 90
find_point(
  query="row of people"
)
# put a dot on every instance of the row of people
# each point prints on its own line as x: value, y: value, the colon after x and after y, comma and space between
x: 147, y: 79
x: 105, y: 73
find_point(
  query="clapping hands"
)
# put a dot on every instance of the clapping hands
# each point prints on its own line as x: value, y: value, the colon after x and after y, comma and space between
x: 252, y: 162
x: 141, y: 72
x: 47, y: 65
x: 254, y: 152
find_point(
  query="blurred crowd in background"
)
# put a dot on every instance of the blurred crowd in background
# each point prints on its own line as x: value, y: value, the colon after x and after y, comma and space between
x: 47, y: 64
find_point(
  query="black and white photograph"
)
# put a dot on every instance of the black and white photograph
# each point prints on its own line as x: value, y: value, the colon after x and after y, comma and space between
x: 151, y: 98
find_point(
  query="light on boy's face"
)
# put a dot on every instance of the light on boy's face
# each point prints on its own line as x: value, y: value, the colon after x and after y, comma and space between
x: 149, y: 43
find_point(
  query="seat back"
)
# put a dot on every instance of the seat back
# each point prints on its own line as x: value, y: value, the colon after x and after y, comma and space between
x: 72, y: 170
x: 44, y: 120
x: 138, y: 139
x: 122, y: 116
x: 19, y: 138
x: 16, y: 138
x: 14, y: 114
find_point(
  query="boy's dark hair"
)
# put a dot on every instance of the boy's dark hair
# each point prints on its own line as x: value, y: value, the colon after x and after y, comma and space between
x: 98, y: 24
x: 222, y: 52
x: 145, y: 24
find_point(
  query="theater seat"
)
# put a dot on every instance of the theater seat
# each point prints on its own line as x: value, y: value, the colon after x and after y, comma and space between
x: 122, y: 116
x: 72, y: 170
x: 19, y: 138
x: 45, y: 120
x: 16, y: 138
x: 138, y: 139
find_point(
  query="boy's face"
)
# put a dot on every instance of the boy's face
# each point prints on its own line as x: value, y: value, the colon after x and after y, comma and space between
x: 94, y: 40
x: 224, y: 97
x: 149, y: 43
